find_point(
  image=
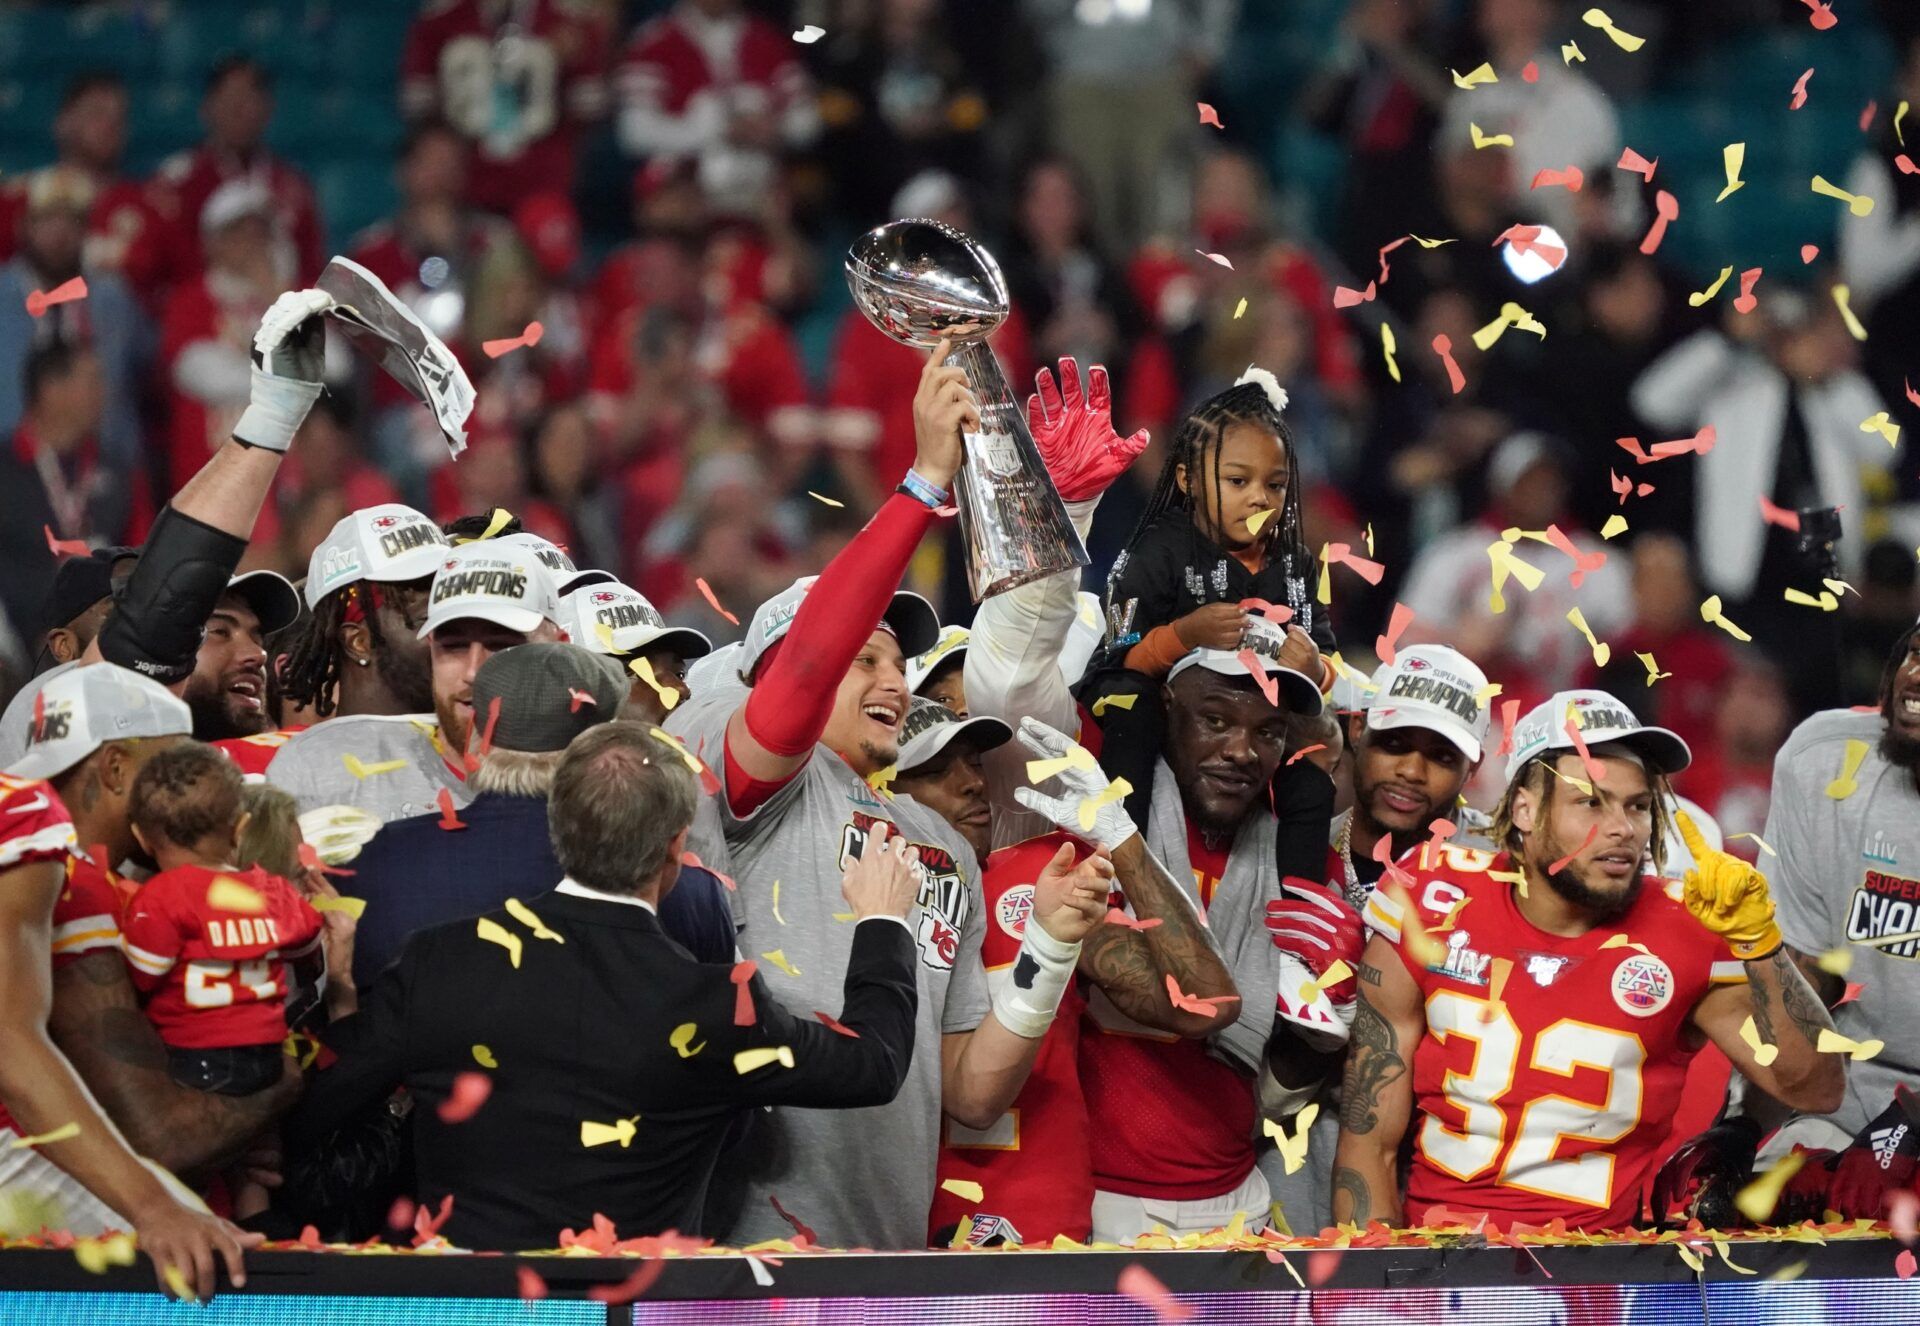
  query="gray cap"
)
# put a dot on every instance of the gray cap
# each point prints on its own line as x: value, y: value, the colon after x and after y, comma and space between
x: 930, y: 727
x: 85, y: 707
x: 911, y: 618
x: 548, y: 693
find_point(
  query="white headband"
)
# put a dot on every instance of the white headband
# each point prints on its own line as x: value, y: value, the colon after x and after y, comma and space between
x: 1268, y: 383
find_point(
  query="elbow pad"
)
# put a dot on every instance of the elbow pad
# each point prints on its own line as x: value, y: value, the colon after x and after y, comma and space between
x: 156, y: 625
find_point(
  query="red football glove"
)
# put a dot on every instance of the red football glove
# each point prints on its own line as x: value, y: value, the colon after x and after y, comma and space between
x: 1075, y: 434
x: 1883, y: 1157
x: 1316, y: 925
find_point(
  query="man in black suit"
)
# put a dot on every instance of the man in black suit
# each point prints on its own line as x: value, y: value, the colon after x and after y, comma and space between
x: 607, y: 1062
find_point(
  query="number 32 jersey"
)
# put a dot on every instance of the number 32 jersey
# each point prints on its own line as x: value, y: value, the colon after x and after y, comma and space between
x: 1551, y: 1067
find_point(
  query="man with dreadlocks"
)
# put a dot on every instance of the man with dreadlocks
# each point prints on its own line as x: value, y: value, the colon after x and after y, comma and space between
x: 1222, y: 529
x: 1539, y: 1008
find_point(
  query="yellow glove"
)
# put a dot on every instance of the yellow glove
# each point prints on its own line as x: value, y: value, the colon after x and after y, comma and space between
x: 1729, y: 897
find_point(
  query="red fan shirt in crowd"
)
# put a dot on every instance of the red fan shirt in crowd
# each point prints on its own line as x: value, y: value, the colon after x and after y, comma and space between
x: 206, y: 339
x: 253, y: 754
x: 1034, y: 1164
x: 517, y: 80
x: 1176, y: 1123
x: 123, y: 234
x: 744, y: 351
x: 1552, y: 1096
x: 1689, y: 699
x: 35, y: 828
x: 216, y: 966
x: 870, y: 396
x: 705, y: 71
x: 184, y: 182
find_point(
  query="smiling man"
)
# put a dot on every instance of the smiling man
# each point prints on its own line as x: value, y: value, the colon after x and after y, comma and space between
x: 1538, y: 1008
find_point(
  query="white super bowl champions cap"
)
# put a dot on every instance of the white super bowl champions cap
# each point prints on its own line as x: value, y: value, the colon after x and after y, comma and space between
x: 1432, y: 687
x: 390, y: 543
x: 1600, y: 719
x: 611, y: 618
x: 493, y: 582
x: 82, y: 709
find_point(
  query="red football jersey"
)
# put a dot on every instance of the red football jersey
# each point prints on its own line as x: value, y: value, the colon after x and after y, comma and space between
x: 1551, y: 1067
x: 185, y: 181
x: 1177, y: 1123
x: 217, y: 973
x: 34, y: 827
x: 1035, y: 1164
x: 253, y: 754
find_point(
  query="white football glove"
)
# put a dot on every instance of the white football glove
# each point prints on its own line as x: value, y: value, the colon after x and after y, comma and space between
x: 289, y: 357
x: 1083, y: 785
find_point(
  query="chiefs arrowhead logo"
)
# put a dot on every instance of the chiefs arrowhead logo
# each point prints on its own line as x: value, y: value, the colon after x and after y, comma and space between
x: 1418, y: 665
x: 605, y: 596
x: 386, y: 522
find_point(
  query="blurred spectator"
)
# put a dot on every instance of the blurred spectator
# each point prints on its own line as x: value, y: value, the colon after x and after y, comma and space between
x: 1559, y: 119
x: 52, y: 481
x: 206, y: 335
x: 1125, y: 76
x: 109, y: 320
x: 90, y: 135
x: 326, y: 457
x: 1075, y: 301
x: 493, y: 474
x: 1530, y: 646
x: 1380, y: 93
x: 235, y: 111
x: 518, y: 79
x: 712, y: 83
x: 564, y: 474
x: 517, y: 285
x: 1694, y: 658
x: 869, y: 421
x: 724, y: 512
x: 1872, y: 622
x: 1732, y: 771
x: 1880, y: 252
x: 896, y: 99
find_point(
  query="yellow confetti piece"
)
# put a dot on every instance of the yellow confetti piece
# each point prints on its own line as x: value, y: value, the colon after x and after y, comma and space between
x: 359, y: 770
x: 599, y: 1134
x: 1734, y: 156
x: 1841, y: 295
x: 1883, y: 424
x: 881, y: 780
x: 1846, y: 784
x: 776, y: 903
x: 177, y: 1284
x: 843, y: 917
x: 1240, y: 308
x: 692, y: 761
x: 1757, y: 1200
x: 1569, y: 52
x: 823, y: 499
x: 60, y: 1134
x: 1653, y: 669
x: 642, y: 669
x: 354, y: 907
x: 522, y: 913
x: 484, y: 1057
x: 1712, y: 611
x: 1616, y: 525
x: 1517, y: 878
x: 1481, y: 140
x: 1725, y: 1250
x: 682, y: 1040
x: 1281, y: 1257
x: 1759, y: 842
x: 1699, y: 297
x: 962, y: 1232
x: 1626, y: 41
x: 604, y: 634
x: 1106, y: 702
x: 1078, y: 757
x: 495, y: 933
x: 1621, y: 941
x: 1826, y: 602
x: 778, y: 957
x: 97, y: 1254
x: 1336, y: 972
x: 1839, y: 586
x: 1835, y: 961
x: 1292, y: 1146
x: 501, y: 519
x: 1507, y: 563
x: 965, y: 1189
x: 1323, y: 593
x: 1899, y: 114
x: 1602, y: 652
x: 1857, y: 203
x: 1832, y: 1042
x: 1387, y: 348
x: 1090, y: 806
x: 1469, y: 81
x: 1257, y: 519
x: 1426, y: 243
x: 1763, y: 1053
x: 1511, y: 315
x: 1369, y: 538
x: 748, y: 1061
x: 1486, y: 693
x: 1789, y: 1273
x: 228, y: 894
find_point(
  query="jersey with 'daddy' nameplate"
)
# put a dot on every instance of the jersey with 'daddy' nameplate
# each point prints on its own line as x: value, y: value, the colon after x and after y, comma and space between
x: 1554, y: 1099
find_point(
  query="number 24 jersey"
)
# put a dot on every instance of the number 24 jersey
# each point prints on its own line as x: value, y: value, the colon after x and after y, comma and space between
x: 1551, y: 1067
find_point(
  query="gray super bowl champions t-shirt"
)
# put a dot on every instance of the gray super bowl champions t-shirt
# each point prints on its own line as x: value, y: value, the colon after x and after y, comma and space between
x: 386, y: 765
x: 858, y: 1178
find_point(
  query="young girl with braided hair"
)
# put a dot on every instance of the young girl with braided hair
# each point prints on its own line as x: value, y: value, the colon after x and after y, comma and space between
x: 1224, y: 525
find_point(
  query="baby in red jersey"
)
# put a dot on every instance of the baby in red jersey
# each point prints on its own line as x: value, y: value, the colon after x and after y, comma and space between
x: 207, y: 941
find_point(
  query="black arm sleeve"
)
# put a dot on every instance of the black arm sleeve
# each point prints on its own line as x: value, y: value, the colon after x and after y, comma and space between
x: 156, y: 625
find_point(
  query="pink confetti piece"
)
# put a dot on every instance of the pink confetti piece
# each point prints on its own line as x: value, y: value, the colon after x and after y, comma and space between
x: 1800, y: 91
x: 1633, y: 161
x: 1808, y: 252
x: 1571, y: 178
x: 530, y: 337
x: 1595, y: 772
x: 1866, y: 116
x: 1905, y: 1264
x: 1509, y: 715
x: 1346, y: 297
x: 1560, y: 865
x: 1666, y: 210
x: 1386, y: 646
x: 39, y: 301
x: 1257, y: 669
x: 1747, y: 303
x: 1525, y: 240
x: 1443, y: 346
x: 1852, y: 992
x: 469, y: 1093
x: 1305, y: 751
x: 1140, y: 1285
x: 1583, y: 563
x: 1342, y: 554
x: 835, y: 1024
x: 1530, y: 72
x: 1117, y: 917
x: 1277, y: 613
x: 1209, y: 116
x: 1822, y: 17
x: 1779, y: 515
x: 706, y: 592
x: 1701, y: 442
x: 1905, y: 163
x: 1215, y: 257
x: 65, y: 547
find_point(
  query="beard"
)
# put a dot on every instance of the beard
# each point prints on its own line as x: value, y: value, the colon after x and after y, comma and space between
x: 1604, y: 906
x: 411, y: 681
x: 1899, y: 750
x: 217, y: 716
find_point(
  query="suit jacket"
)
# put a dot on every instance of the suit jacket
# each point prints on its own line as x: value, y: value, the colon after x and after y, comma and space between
x: 593, y: 1106
x: 415, y: 874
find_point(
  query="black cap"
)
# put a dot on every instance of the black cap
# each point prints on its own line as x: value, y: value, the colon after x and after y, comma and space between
x: 548, y: 693
x: 79, y: 583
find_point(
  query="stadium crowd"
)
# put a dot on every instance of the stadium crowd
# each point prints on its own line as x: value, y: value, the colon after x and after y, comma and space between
x: 620, y: 820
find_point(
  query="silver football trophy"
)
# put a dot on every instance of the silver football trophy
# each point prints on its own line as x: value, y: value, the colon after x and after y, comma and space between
x: 918, y: 281
x: 386, y: 330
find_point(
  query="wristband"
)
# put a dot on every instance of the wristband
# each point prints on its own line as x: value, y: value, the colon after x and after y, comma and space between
x: 924, y: 491
x: 275, y: 410
x: 1026, y: 1000
x: 1760, y: 949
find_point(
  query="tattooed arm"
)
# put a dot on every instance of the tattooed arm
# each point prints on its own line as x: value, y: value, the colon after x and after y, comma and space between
x: 1826, y: 986
x: 1132, y: 966
x: 1377, y: 1093
x: 97, y: 1023
x: 1786, y: 1014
